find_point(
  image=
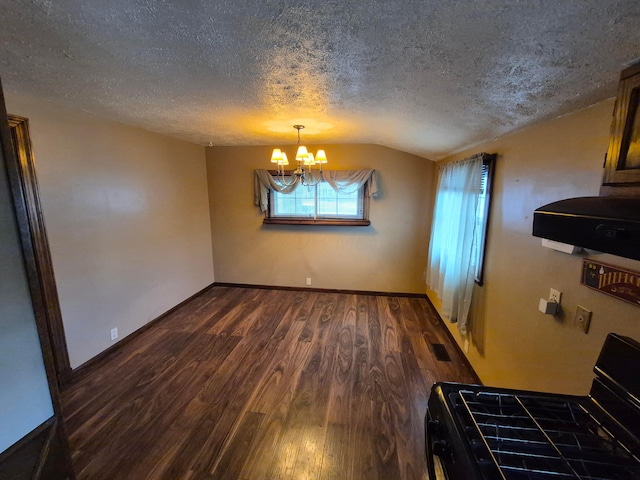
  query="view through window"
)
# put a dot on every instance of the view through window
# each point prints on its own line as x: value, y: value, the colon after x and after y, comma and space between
x: 318, y: 202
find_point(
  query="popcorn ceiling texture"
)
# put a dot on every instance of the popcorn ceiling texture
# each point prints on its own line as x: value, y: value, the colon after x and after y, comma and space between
x: 426, y: 77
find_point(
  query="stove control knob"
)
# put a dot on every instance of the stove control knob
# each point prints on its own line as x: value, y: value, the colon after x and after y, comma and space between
x: 440, y: 448
x: 435, y: 427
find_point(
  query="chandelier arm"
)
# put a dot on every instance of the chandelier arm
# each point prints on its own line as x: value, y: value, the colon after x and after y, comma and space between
x: 310, y: 184
x: 311, y: 175
x: 281, y: 177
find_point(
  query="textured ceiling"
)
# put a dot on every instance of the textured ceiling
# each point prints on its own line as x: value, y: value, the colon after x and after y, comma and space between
x: 424, y: 76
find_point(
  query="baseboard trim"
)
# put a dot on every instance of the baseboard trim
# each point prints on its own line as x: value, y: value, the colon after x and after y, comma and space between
x: 83, y: 369
x: 86, y: 367
x: 39, y: 455
x: 29, y: 437
x: 367, y: 292
x: 44, y: 459
x: 321, y: 290
x: 455, y: 343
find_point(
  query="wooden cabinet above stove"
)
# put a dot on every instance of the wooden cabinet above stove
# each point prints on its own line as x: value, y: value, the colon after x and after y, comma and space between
x: 622, y: 166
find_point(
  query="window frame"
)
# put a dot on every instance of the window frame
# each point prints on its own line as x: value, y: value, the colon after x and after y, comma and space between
x: 488, y: 161
x: 269, y: 218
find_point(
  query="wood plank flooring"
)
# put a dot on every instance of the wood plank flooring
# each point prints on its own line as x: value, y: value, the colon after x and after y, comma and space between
x: 252, y: 384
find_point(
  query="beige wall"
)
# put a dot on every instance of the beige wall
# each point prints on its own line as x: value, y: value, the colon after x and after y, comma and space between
x: 127, y: 218
x: 512, y: 344
x: 133, y: 233
x: 387, y: 256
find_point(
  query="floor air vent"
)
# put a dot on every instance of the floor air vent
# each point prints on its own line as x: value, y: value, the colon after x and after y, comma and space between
x: 440, y: 352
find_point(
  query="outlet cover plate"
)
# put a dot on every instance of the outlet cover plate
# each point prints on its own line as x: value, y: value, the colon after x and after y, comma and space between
x: 114, y: 333
x: 555, y: 295
x: 582, y: 320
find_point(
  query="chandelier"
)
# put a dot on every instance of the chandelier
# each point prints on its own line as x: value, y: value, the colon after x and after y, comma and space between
x: 306, y: 161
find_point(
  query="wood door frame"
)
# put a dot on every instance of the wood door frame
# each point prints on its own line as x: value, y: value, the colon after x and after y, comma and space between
x: 54, y: 457
x: 32, y: 222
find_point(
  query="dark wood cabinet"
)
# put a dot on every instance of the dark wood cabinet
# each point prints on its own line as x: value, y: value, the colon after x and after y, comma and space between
x: 622, y: 166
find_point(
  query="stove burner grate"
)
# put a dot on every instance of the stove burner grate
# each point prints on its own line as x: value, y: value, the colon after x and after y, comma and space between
x: 527, y: 437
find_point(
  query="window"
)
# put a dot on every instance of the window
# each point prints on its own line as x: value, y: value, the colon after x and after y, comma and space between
x: 338, y: 197
x: 458, y: 234
x: 318, y: 204
x: 482, y: 215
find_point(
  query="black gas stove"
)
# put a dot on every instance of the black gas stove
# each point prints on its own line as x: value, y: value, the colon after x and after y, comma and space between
x: 476, y: 432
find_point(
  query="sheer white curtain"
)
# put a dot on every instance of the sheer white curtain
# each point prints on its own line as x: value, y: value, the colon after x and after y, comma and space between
x: 451, y: 266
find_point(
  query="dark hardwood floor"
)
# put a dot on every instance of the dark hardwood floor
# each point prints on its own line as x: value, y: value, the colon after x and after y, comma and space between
x: 247, y: 383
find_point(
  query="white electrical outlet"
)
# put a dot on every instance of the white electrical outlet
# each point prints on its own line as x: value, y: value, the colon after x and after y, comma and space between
x: 114, y: 333
x: 555, y: 295
x: 308, y: 280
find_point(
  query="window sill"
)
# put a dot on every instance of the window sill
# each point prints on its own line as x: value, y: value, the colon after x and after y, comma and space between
x: 310, y: 221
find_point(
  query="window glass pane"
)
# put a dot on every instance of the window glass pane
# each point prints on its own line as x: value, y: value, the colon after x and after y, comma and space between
x: 319, y: 201
x: 482, y: 213
x: 348, y: 205
x: 300, y: 203
x: 332, y: 203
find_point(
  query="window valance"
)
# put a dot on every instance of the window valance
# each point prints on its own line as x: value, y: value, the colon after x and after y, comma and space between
x: 342, y: 181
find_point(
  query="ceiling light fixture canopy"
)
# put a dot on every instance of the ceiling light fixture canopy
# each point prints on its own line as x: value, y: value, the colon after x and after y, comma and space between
x: 304, y: 159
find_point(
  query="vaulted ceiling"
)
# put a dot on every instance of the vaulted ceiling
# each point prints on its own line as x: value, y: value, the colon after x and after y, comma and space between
x: 425, y: 76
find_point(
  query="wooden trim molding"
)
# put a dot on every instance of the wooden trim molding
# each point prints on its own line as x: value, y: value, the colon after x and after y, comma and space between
x: 39, y: 455
x: 310, y: 221
x: 29, y: 240
x: 620, y: 191
x: 621, y: 164
x: 26, y: 175
x: 366, y: 292
x: 455, y: 343
x: 86, y: 367
x: 322, y: 290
